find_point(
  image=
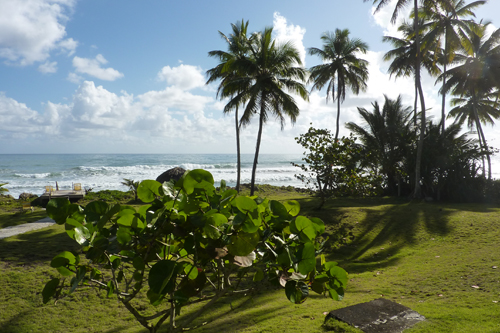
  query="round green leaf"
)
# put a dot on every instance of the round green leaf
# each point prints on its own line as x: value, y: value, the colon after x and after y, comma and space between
x: 160, y: 275
x: 277, y: 208
x: 195, y: 178
x: 49, y: 290
x: 296, y: 291
x: 57, y: 209
x: 306, y: 256
x: 292, y: 206
x: 318, y: 224
x: 243, y: 243
x: 304, y: 228
x: 148, y: 190
x: 95, y: 210
x: 244, y: 204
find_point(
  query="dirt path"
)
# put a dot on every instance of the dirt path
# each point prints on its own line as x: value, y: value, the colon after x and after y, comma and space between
x: 22, y: 228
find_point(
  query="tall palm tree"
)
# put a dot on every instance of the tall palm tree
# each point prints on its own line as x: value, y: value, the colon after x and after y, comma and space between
x: 446, y: 23
x: 341, y: 67
x: 478, y: 75
x: 475, y: 110
x: 261, y: 82
x: 237, y: 48
x: 403, y: 58
x: 388, y: 136
x: 400, y: 4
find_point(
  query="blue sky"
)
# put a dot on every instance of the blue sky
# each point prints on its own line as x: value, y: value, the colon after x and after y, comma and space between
x: 128, y: 76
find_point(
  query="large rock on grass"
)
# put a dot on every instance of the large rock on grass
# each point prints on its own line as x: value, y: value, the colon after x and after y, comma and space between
x: 174, y: 173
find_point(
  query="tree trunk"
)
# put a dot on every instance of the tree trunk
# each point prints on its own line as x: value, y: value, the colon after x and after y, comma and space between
x: 238, y: 152
x: 417, y: 194
x: 482, y: 139
x: 257, y: 148
x: 443, y: 101
x: 338, y: 114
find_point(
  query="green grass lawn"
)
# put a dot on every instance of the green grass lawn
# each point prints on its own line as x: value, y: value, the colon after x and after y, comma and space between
x: 438, y: 259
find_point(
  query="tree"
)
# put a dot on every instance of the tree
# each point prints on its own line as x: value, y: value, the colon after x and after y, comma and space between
x: 477, y: 76
x: 400, y: 4
x: 2, y: 188
x: 474, y: 110
x: 188, y: 238
x: 237, y: 48
x: 388, y: 136
x: 403, y: 58
x: 261, y: 82
x: 445, y: 22
x: 341, y: 68
x: 132, y: 185
x: 334, y: 167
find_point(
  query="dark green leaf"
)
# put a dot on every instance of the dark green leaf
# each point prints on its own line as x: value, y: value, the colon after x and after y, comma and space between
x: 57, y: 209
x: 306, y: 256
x: 49, y: 290
x: 304, y: 228
x: 244, y: 204
x: 296, y: 291
x: 243, y: 243
x: 160, y: 275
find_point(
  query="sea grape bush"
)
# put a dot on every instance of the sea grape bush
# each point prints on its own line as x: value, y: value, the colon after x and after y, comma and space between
x: 190, y: 237
x: 335, y: 167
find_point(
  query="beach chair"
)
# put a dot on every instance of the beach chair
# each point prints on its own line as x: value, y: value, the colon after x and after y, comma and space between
x: 27, y: 206
x: 77, y: 187
x: 49, y: 189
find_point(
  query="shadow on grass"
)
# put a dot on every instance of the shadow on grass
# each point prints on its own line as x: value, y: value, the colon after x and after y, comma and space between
x: 36, y: 246
x: 21, y: 217
x: 383, y: 227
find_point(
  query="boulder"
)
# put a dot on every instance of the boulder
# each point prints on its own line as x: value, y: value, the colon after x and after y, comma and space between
x: 174, y: 173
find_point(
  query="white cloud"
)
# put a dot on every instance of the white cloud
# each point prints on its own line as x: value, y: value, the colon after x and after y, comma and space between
x: 31, y: 29
x: 48, y: 67
x: 290, y: 33
x: 68, y: 45
x: 75, y: 78
x: 383, y: 18
x: 184, y: 77
x: 93, y: 68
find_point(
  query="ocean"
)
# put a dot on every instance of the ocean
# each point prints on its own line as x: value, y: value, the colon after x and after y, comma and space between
x: 32, y: 172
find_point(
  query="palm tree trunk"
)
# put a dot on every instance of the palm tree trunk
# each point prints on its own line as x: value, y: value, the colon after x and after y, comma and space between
x: 443, y: 101
x: 417, y: 194
x: 415, y: 106
x: 257, y: 148
x: 338, y: 115
x: 482, y: 138
x: 238, y: 152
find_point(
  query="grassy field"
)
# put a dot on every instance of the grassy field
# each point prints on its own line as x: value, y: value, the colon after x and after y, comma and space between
x: 438, y: 259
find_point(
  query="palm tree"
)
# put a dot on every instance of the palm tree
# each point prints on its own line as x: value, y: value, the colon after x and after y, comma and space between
x: 400, y: 4
x: 387, y: 136
x: 477, y: 78
x: 2, y: 188
x: 475, y: 110
x: 237, y: 49
x: 260, y: 82
x: 132, y: 185
x: 403, y: 58
x: 340, y: 67
x: 446, y: 23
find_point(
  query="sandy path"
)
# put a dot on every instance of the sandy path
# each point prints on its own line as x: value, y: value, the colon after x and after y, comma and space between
x: 22, y: 228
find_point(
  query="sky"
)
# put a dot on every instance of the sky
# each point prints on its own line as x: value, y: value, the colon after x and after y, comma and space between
x: 128, y: 76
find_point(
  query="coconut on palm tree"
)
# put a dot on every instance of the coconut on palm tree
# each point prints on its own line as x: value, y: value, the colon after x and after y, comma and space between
x: 261, y: 81
x: 237, y: 48
x: 341, y: 67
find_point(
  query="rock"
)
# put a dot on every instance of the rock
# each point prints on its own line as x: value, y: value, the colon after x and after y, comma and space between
x: 174, y: 173
x: 27, y: 196
x: 378, y: 316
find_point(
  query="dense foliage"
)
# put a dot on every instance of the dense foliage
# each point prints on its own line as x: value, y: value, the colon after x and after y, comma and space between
x: 189, y: 238
x: 335, y: 167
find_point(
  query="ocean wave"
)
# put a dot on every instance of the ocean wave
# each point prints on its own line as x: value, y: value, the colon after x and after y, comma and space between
x: 34, y: 175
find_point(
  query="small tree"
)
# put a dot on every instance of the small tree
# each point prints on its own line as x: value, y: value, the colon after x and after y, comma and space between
x: 2, y: 188
x: 334, y: 167
x: 132, y: 185
x: 189, y: 238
